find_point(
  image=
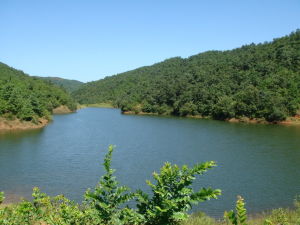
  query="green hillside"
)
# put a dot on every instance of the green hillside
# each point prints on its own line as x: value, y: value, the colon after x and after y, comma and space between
x: 254, y: 81
x: 29, y: 98
x: 68, y: 85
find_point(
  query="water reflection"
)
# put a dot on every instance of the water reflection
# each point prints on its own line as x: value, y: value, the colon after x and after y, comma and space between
x: 260, y: 162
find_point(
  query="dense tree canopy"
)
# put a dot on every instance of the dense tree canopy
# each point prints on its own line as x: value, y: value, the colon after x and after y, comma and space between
x: 29, y: 98
x: 254, y: 81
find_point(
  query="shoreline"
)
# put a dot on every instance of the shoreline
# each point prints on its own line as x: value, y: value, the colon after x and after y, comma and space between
x: 62, y: 110
x: 295, y: 121
x: 95, y: 105
x: 16, y: 124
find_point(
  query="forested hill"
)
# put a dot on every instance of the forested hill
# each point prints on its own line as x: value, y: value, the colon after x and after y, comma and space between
x: 29, y: 98
x: 254, y: 81
x: 68, y: 85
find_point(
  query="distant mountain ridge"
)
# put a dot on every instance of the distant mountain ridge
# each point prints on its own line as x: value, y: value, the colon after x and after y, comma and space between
x: 253, y: 81
x: 68, y: 85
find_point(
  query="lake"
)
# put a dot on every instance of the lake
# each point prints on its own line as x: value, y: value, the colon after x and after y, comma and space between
x: 259, y: 162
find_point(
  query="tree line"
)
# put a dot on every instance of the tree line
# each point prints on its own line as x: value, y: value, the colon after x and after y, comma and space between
x: 68, y: 85
x: 253, y: 81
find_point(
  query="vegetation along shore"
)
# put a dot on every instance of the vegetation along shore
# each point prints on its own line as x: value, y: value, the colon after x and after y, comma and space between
x: 28, y: 102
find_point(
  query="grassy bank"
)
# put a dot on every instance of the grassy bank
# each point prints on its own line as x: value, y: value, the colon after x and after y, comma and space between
x: 278, y: 216
x: 62, y: 110
x: 10, y: 122
x: 17, y: 124
x: 96, y: 105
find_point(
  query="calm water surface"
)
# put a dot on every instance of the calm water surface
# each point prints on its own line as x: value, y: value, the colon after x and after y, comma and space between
x: 259, y: 162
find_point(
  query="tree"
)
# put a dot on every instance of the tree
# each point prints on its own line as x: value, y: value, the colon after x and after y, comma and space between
x: 108, y: 198
x: 224, y: 108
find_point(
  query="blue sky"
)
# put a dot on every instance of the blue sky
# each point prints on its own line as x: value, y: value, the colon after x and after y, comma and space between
x: 88, y: 40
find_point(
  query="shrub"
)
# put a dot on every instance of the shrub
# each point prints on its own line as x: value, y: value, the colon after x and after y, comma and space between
x: 224, y: 108
x: 240, y: 216
x: 1, y: 197
x: 108, y: 198
x: 172, y: 194
x: 188, y: 108
x: 278, y: 216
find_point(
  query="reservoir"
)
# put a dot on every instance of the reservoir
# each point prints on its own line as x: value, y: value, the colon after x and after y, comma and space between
x: 259, y: 162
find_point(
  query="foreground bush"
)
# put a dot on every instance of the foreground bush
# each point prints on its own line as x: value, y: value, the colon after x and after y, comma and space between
x: 172, y: 195
x: 108, y: 198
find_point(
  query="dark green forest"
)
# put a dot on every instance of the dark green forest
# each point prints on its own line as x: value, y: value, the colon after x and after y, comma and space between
x: 29, y: 98
x: 68, y: 85
x: 253, y: 81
